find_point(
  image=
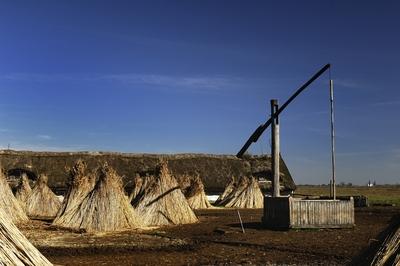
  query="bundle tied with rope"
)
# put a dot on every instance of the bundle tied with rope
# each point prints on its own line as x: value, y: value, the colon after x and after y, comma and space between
x: 243, y: 193
x: 42, y: 203
x: 104, y: 208
x: 23, y: 190
x: 159, y: 201
x: 193, y: 189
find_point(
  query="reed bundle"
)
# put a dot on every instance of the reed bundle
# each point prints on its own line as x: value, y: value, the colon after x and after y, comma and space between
x: 389, y: 251
x: 23, y: 190
x: 193, y: 189
x: 15, y: 249
x: 104, y: 208
x: 42, y: 203
x: 245, y: 193
x: 159, y: 200
x: 9, y: 205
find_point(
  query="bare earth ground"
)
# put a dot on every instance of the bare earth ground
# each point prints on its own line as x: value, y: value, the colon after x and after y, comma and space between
x: 216, y: 240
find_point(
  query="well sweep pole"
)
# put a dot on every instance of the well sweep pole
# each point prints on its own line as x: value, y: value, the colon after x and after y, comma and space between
x: 275, y: 148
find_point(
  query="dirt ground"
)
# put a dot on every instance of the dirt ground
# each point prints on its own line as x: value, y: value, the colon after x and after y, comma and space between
x: 216, y: 240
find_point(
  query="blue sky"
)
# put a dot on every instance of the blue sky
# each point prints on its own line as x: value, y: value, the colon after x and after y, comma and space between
x: 197, y: 76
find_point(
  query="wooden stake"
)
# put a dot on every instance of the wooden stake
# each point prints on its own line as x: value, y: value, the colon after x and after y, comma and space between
x: 240, y: 219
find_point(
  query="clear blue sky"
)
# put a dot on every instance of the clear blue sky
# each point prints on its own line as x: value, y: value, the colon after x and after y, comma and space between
x: 197, y: 76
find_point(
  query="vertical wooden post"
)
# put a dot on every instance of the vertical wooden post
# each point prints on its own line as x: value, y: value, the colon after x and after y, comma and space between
x: 275, y: 148
x: 333, y: 140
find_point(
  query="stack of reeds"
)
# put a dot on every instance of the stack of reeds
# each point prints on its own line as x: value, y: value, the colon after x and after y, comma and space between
x: 159, y: 200
x: 104, y: 208
x: 138, y: 187
x: 80, y: 183
x: 15, y: 249
x: 245, y: 193
x: 228, y: 190
x: 193, y: 189
x: 42, y: 203
x: 9, y: 205
x: 23, y: 190
x: 389, y: 251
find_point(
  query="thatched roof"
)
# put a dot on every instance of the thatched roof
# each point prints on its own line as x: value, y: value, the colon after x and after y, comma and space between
x: 9, y: 205
x: 245, y: 193
x: 42, y: 203
x: 159, y: 200
x: 104, y: 208
x: 23, y: 190
x: 193, y: 189
x: 15, y: 249
x: 80, y: 183
x: 214, y: 170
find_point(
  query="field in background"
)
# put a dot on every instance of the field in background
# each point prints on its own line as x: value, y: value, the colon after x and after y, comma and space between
x: 385, y: 194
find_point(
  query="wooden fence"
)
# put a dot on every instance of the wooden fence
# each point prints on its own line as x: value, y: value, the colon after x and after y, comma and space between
x: 288, y: 212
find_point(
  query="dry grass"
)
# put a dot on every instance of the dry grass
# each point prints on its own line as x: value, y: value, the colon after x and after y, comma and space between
x: 15, y: 249
x: 23, y: 190
x: 159, y: 200
x: 9, y: 205
x: 389, y: 252
x: 138, y: 187
x: 42, y: 203
x: 80, y: 183
x: 245, y: 193
x: 228, y: 190
x: 105, y: 207
x: 193, y: 189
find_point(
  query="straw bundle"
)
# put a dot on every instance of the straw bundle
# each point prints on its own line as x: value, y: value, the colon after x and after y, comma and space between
x: 159, y: 200
x: 137, y: 187
x: 193, y: 189
x: 228, y: 190
x: 389, y: 252
x: 9, y: 205
x: 42, y: 203
x: 245, y: 194
x: 79, y: 186
x: 15, y: 249
x: 104, y: 208
x: 23, y: 190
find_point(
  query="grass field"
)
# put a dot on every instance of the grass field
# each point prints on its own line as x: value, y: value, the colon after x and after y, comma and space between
x: 387, y: 194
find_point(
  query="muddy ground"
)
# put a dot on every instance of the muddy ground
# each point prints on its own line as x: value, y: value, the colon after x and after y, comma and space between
x: 216, y: 240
